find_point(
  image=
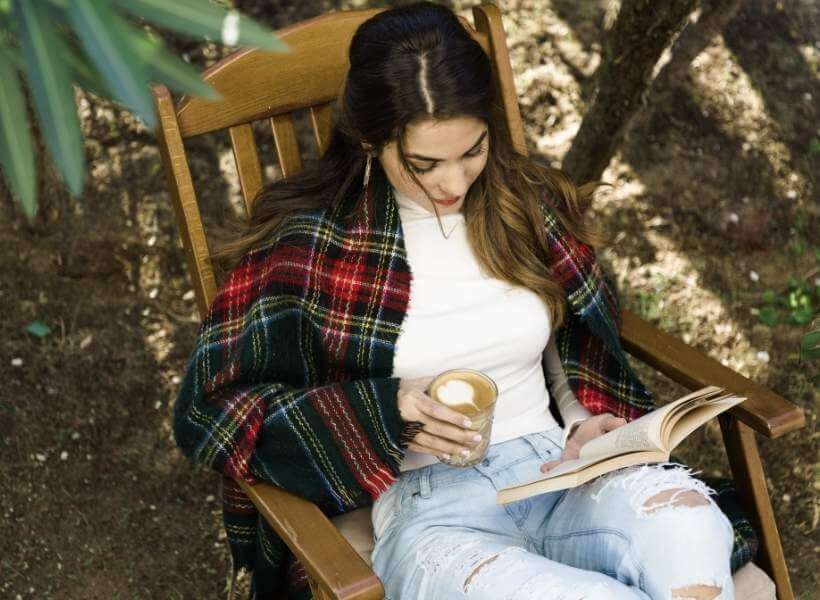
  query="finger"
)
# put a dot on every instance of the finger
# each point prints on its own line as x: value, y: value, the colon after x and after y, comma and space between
x: 443, y: 413
x: 453, y: 433
x: 571, y: 451
x: 612, y: 422
x: 439, y: 444
x: 426, y: 450
x: 550, y: 465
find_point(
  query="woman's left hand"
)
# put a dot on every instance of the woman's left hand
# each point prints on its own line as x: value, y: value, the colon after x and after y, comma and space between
x: 586, y: 430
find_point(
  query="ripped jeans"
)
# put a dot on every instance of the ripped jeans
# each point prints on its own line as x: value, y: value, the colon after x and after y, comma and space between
x: 440, y: 535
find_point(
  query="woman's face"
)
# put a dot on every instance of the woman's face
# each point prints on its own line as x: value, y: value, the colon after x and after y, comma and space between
x: 447, y: 156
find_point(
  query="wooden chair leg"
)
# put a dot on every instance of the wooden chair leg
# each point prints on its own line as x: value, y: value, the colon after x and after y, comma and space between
x: 750, y: 482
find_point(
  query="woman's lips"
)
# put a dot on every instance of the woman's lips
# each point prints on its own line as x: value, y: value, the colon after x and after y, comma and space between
x: 447, y: 201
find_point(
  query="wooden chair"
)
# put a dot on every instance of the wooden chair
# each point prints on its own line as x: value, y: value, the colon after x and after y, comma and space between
x: 257, y: 85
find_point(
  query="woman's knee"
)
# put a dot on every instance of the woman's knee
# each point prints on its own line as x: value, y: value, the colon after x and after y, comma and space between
x: 673, y: 503
x: 594, y: 586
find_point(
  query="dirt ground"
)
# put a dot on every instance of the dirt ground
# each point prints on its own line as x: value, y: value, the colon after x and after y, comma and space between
x: 715, y: 195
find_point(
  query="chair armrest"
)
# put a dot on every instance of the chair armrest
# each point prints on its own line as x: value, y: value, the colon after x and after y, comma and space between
x: 763, y: 410
x: 330, y: 561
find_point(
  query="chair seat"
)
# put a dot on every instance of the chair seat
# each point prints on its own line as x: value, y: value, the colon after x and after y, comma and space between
x: 751, y: 582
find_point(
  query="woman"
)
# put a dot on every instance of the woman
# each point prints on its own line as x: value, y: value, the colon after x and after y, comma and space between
x: 421, y: 242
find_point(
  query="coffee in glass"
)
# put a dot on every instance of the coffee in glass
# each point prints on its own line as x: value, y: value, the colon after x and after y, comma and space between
x: 473, y: 394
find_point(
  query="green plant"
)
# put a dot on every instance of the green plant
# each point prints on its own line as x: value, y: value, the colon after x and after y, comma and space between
x: 53, y: 45
x: 796, y: 304
x: 810, y: 343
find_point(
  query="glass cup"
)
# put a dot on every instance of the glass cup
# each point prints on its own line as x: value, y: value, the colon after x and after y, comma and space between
x: 473, y: 394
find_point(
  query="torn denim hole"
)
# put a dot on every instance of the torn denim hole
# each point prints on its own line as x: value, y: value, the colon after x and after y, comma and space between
x: 648, y: 481
x: 559, y: 589
x: 706, y: 593
x: 473, y: 564
x: 486, y: 571
x: 722, y: 585
x: 437, y: 552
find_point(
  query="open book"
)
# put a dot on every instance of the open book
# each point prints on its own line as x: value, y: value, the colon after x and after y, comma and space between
x: 648, y: 439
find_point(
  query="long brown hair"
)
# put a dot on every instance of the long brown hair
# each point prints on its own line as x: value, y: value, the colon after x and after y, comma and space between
x: 412, y: 63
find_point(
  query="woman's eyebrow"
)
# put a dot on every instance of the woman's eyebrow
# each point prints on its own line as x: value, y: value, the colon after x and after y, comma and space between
x: 431, y: 159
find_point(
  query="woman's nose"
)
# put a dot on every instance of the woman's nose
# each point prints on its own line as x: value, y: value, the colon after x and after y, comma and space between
x: 454, y: 182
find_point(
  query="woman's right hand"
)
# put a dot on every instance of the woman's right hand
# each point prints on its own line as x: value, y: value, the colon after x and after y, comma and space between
x: 443, y: 432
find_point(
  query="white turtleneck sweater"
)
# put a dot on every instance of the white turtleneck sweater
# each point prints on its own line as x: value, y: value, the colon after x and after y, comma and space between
x: 460, y: 318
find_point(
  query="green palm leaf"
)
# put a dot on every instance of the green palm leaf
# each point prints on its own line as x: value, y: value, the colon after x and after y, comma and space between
x: 82, y: 73
x: 165, y: 67
x: 43, y: 50
x: 16, y: 154
x: 103, y: 33
x: 204, y: 18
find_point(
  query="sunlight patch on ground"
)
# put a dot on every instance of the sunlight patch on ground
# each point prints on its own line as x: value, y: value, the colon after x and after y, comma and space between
x: 544, y: 52
x: 671, y: 283
x: 725, y: 90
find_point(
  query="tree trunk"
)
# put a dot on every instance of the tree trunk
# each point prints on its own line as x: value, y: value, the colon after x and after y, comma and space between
x: 694, y: 39
x: 642, y: 31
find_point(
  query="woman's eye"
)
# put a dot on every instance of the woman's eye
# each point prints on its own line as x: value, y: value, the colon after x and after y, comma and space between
x: 420, y: 170
x: 477, y: 152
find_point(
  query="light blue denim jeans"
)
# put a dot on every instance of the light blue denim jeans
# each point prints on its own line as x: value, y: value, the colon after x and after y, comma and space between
x: 440, y: 535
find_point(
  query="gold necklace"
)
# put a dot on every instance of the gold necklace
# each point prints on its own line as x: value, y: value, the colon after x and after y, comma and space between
x: 440, y: 226
x: 446, y: 235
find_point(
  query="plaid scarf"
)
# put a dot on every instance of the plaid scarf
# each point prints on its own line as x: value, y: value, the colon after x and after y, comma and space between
x: 290, y: 378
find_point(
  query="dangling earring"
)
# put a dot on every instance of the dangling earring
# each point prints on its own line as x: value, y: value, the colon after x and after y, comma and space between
x: 366, y: 181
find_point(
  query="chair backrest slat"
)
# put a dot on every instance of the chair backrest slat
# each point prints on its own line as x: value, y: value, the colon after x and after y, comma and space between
x: 287, y: 146
x: 247, y: 162
x: 321, y: 118
x: 487, y: 19
x: 183, y: 198
x: 256, y: 85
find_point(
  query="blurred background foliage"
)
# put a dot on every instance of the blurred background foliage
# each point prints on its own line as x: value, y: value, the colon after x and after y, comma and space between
x: 103, y: 46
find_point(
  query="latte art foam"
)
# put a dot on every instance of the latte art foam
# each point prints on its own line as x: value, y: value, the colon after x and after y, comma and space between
x: 457, y: 392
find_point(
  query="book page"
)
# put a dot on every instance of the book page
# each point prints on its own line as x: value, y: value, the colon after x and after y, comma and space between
x: 644, y: 433
x: 687, y: 423
x: 640, y: 434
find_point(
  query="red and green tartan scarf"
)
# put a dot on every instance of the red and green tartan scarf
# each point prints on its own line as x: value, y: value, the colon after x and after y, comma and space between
x: 290, y: 378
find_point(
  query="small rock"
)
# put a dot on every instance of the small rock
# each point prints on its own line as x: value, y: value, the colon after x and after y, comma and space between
x: 188, y: 296
x: 786, y: 498
x: 40, y: 457
x: 63, y: 455
x: 16, y: 362
x: 210, y: 498
x: 763, y: 356
x: 754, y: 276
